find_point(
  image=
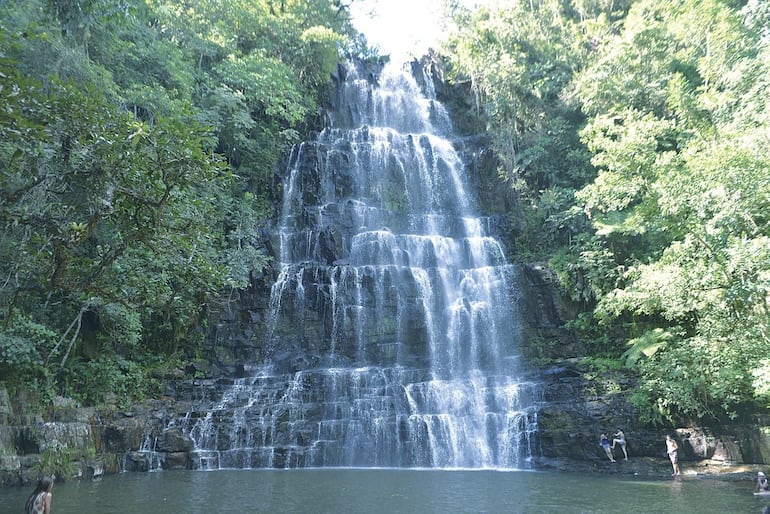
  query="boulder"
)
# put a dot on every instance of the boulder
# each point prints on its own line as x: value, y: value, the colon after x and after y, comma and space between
x: 174, y: 440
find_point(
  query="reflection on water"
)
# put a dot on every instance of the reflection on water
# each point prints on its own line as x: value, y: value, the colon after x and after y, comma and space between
x: 391, y: 491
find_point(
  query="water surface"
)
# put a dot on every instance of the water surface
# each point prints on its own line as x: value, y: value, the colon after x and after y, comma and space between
x: 391, y: 491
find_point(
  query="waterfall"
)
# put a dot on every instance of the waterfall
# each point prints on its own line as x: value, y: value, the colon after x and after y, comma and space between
x: 394, y: 302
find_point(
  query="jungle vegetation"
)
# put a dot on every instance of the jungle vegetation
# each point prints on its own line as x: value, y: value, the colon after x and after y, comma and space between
x: 138, y: 144
x: 635, y: 135
x: 139, y: 139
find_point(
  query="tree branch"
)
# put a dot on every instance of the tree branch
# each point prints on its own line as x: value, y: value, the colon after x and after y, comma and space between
x: 75, y: 322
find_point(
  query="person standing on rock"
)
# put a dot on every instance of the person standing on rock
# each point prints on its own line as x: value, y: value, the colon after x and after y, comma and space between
x: 620, y: 438
x: 673, y: 454
x: 605, y: 442
x: 39, y: 502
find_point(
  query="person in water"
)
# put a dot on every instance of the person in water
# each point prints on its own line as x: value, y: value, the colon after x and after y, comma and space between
x: 39, y: 502
x: 763, y: 485
x: 620, y: 438
x: 605, y: 442
x: 673, y: 454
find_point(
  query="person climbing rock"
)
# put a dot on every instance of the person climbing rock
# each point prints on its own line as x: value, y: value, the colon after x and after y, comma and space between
x: 620, y: 438
x: 605, y: 442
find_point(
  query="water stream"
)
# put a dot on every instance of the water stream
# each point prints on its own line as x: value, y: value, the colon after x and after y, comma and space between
x: 393, y: 321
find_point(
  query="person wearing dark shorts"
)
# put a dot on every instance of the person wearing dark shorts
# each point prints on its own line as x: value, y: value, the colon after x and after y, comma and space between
x: 605, y: 442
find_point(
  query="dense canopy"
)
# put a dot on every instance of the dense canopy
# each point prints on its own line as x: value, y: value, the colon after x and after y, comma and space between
x: 139, y: 141
x: 637, y: 133
x: 138, y: 144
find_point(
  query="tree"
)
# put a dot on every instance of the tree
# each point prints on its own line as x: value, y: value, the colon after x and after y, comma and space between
x: 683, y: 185
x: 138, y: 145
x: 634, y: 136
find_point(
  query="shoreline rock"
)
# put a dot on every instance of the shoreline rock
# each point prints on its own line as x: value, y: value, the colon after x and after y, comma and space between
x: 83, y: 443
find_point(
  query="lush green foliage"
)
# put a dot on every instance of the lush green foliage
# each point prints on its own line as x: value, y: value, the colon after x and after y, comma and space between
x: 651, y: 124
x: 138, y: 141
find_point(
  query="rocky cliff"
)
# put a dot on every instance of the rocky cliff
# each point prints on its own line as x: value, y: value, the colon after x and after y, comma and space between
x: 577, y: 404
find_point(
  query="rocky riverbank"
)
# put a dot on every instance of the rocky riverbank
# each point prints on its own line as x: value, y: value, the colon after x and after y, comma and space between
x: 82, y: 443
x: 73, y: 442
x: 651, y: 467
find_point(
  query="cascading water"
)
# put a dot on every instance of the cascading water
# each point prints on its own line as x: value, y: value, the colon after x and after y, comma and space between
x: 393, y: 303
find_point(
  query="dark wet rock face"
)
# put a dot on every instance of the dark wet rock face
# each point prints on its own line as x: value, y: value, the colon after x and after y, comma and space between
x: 308, y: 339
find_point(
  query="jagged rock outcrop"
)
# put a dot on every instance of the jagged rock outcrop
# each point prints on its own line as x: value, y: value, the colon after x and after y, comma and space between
x: 78, y: 442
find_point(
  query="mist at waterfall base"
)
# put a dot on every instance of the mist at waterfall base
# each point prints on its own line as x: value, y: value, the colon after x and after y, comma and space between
x: 393, y: 322
x: 373, y: 491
